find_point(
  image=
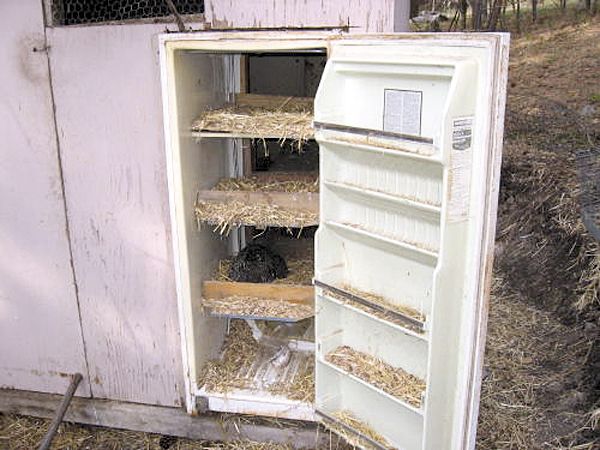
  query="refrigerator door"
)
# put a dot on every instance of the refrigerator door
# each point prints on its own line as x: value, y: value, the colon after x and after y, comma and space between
x: 410, y: 133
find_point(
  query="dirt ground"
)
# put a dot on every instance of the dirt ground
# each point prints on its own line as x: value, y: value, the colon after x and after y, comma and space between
x: 541, y: 386
x: 542, y: 365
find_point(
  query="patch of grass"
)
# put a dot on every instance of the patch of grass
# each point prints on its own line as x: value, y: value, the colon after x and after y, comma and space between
x: 595, y: 97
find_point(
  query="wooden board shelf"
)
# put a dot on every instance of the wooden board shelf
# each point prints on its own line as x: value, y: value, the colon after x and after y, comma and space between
x: 307, y: 201
x: 258, y: 116
x: 258, y: 301
x: 226, y: 209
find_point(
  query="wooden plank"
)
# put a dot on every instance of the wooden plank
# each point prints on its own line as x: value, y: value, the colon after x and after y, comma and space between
x: 40, y: 334
x: 293, y: 293
x: 311, y: 177
x: 234, y: 135
x: 306, y: 201
x: 360, y: 15
x: 162, y: 420
x: 244, y: 79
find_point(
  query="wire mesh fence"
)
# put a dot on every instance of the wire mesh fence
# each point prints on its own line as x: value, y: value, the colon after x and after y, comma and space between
x: 588, y: 167
x: 82, y: 12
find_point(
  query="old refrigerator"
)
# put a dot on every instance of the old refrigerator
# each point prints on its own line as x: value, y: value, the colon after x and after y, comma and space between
x: 404, y: 152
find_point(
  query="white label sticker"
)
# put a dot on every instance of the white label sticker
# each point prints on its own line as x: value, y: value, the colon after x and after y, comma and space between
x: 462, y: 133
x: 460, y: 168
x: 402, y: 111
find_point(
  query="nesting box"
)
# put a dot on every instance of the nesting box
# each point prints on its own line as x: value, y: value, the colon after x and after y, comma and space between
x: 390, y: 145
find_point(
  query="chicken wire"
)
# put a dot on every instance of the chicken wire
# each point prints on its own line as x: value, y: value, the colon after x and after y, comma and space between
x: 81, y: 12
x: 588, y: 167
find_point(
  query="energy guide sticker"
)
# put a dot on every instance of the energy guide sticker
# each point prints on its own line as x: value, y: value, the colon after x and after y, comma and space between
x: 402, y: 111
x: 461, y: 160
x: 462, y: 133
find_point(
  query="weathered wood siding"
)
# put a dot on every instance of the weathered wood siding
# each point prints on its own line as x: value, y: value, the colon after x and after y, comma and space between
x: 109, y: 114
x: 361, y: 15
x: 40, y: 336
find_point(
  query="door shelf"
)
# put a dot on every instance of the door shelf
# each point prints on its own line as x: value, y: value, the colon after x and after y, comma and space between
x: 258, y: 301
x: 348, y: 429
x: 411, y: 318
x: 417, y: 252
x: 399, y: 401
x: 379, y: 145
x: 368, y: 193
x: 395, y: 422
x: 258, y: 116
x: 396, y: 323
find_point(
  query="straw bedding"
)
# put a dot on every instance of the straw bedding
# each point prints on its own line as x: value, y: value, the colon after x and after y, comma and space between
x: 542, y: 359
x: 290, y: 119
x: 379, y: 314
x: 392, y: 380
x: 225, y: 216
x: 258, y: 307
x: 267, y: 184
x: 349, y: 419
x: 381, y: 301
x: 240, y: 351
x: 24, y: 433
x: 302, y: 387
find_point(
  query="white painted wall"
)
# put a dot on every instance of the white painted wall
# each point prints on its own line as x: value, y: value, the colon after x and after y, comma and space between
x: 109, y: 114
x: 40, y: 336
x: 372, y: 16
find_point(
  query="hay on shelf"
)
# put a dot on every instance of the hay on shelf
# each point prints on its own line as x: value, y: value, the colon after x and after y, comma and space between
x: 268, y: 184
x: 302, y: 388
x: 381, y: 301
x: 392, y: 380
x: 273, y: 116
x: 240, y: 352
x: 348, y: 419
x: 386, y: 316
x: 258, y: 307
x: 224, y: 216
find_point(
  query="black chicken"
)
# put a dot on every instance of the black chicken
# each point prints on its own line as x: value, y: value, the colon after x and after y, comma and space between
x: 257, y: 264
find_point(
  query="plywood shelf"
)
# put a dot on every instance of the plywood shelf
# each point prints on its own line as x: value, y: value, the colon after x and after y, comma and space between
x: 258, y: 116
x: 258, y: 301
x: 226, y: 209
